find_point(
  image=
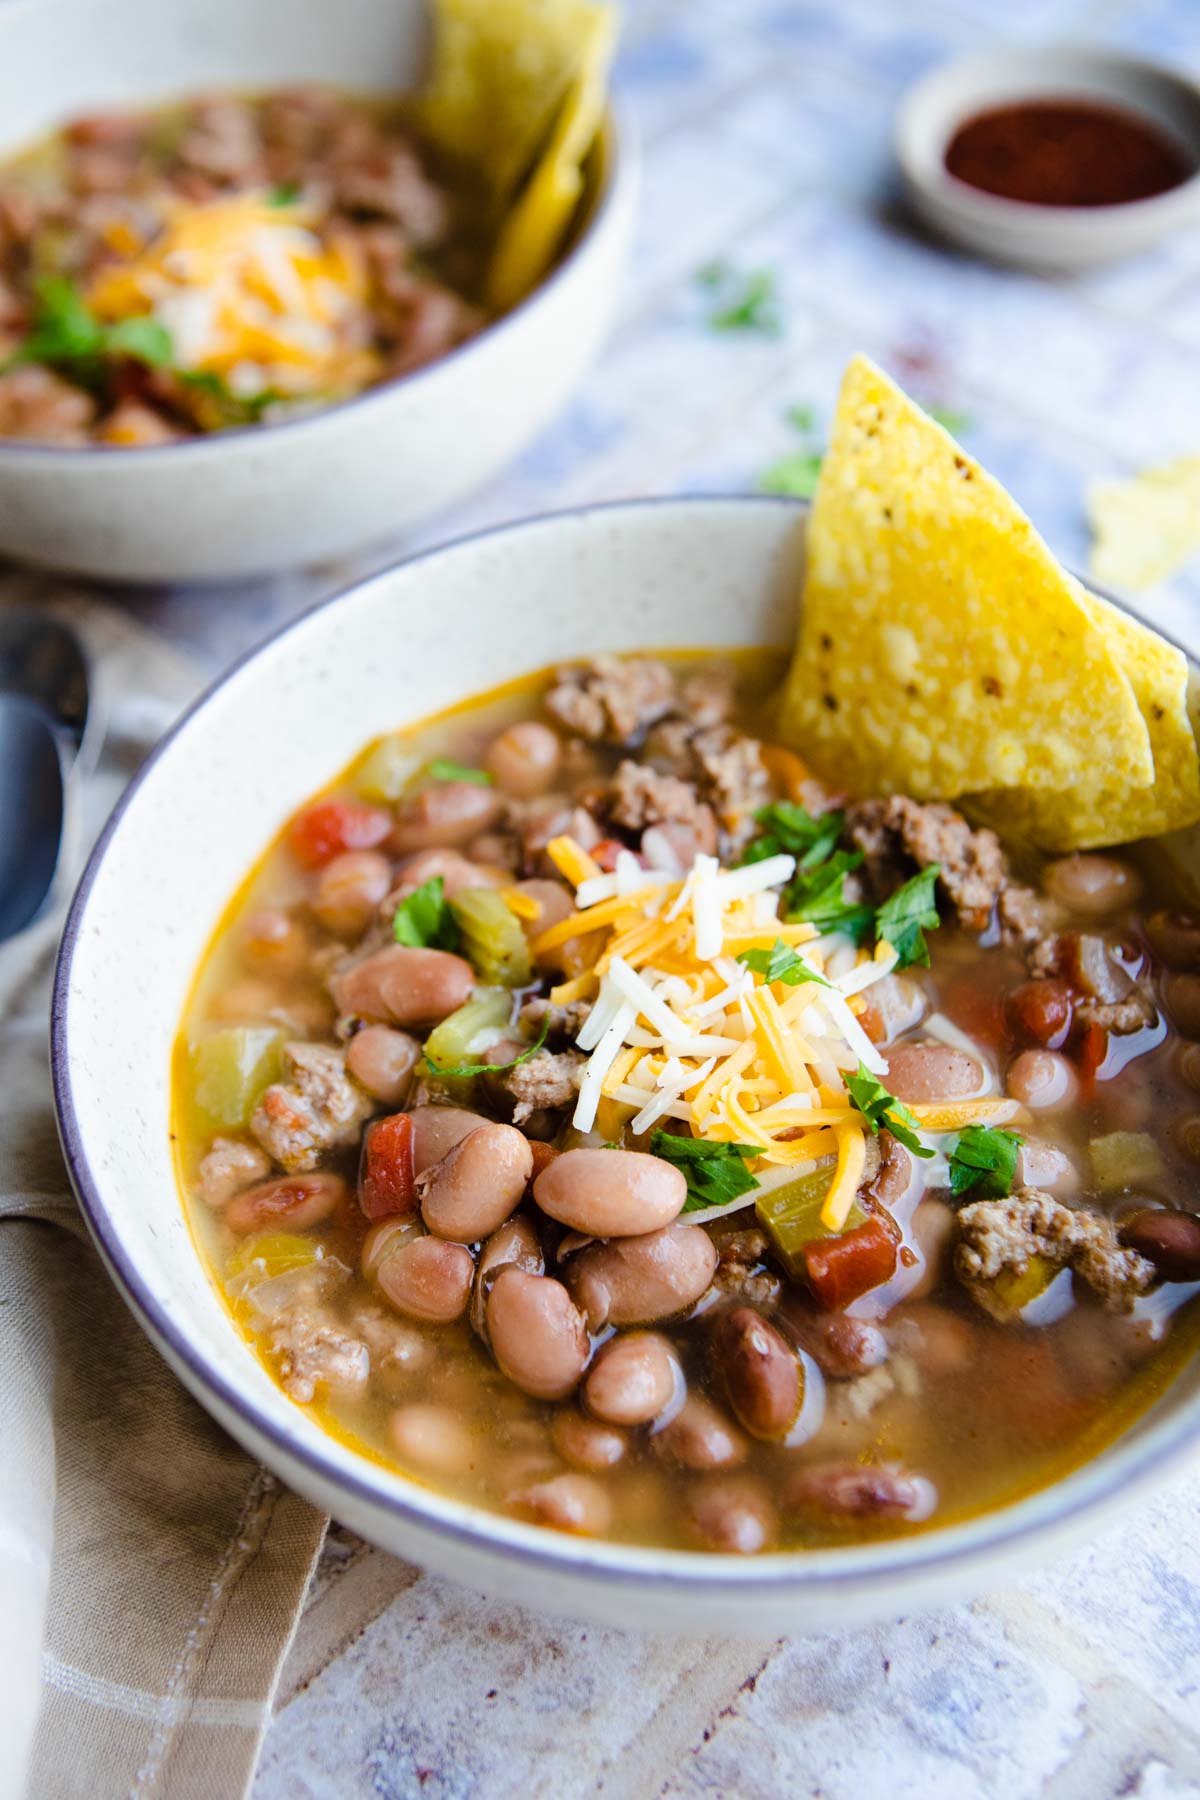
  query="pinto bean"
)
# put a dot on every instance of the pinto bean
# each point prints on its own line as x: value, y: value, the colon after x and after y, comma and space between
x: 1091, y: 884
x: 700, y: 1436
x: 382, y: 1061
x: 731, y: 1513
x: 611, y: 1193
x: 567, y: 1503
x: 428, y: 1279
x: 385, y: 1237
x: 857, y: 1491
x: 1168, y: 1238
x: 1175, y: 939
x: 477, y: 1185
x: 941, y: 1342
x: 514, y: 1242
x: 1182, y: 995
x: 456, y: 871
x: 1043, y: 1165
x: 638, y: 1280
x: 924, y: 1072
x: 275, y: 939
x: 436, y: 1130
x: 404, y: 986
x: 840, y: 1346
x: 586, y: 1443
x: 287, y: 1202
x: 349, y: 890
x: 433, y: 1437
x: 524, y: 759
x: 933, y: 1227
x: 445, y: 813
x: 762, y: 1374
x: 633, y: 1379
x: 1041, y: 1078
x: 537, y: 1336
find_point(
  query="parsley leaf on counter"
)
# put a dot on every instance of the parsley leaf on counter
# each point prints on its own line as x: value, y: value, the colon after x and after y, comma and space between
x: 904, y: 918
x: 820, y: 897
x: 950, y: 419
x: 716, y: 1173
x: 442, y: 769
x: 424, y: 918
x: 880, y: 1108
x: 741, y: 301
x: 482, y: 1068
x: 781, y: 963
x: 984, y: 1157
x: 796, y: 474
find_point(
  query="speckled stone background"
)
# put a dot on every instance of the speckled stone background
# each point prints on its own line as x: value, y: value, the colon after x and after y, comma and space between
x: 765, y: 127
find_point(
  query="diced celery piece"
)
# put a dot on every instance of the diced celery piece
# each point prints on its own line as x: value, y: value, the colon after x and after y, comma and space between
x: 1013, y: 1290
x: 1125, y: 1159
x: 272, y: 1253
x: 492, y: 937
x: 791, y: 1216
x: 231, y: 1067
x: 449, y: 1044
x: 387, y: 771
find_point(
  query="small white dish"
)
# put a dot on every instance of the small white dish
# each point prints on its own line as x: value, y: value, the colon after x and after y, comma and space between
x: 1046, y: 239
x: 255, y: 500
x: 632, y: 576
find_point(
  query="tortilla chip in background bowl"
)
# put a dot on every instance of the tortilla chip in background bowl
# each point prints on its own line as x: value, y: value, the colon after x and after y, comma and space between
x: 1101, y: 810
x: 943, y: 651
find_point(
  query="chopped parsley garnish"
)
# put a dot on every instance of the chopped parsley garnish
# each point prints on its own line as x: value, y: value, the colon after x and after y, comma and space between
x: 424, y: 919
x: 781, y: 963
x: 788, y: 829
x: 820, y: 897
x: 286, y: 193
x: 904, y: 918
x: 442, y: 769
x: 67, y: 335
x: 879, y: 1108
x: 742, y: 301
x: 984, y: 1157
x: 715, y: 1173
x: 482, y: 1068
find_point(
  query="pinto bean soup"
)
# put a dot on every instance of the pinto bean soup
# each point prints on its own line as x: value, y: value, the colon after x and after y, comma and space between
x: 588, y: 1112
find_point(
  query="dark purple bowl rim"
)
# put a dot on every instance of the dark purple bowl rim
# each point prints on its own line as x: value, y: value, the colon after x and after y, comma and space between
x: 893, y: 1558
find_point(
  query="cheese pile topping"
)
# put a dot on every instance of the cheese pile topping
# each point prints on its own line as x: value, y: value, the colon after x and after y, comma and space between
x: 680, y: 1030
x: 248, y: 292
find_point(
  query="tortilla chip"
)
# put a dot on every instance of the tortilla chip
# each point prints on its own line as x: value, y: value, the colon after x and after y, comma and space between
x: 1104, y: 812
x: 502, y: 70
x: 533, y: 232
x: 943, y: 651
x: 1146, y: 528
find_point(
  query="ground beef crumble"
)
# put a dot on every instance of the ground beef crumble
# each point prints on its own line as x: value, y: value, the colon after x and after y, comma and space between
x: 1001, y: 1235
x: 565, y: 1022
x: 639, y: 796
x: 611, y: 700
x: 314, y: 1353
x: 898, y: 836
x: 316, y: 1109
x: 549, y: 1080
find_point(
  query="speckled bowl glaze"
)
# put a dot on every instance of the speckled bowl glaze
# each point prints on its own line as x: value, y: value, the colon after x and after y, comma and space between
x: 251, y: 501
x: 281, y: 724
x: 1050, y: 240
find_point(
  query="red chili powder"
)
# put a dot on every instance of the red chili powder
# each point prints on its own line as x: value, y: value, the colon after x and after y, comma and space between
x: 1066, y: 153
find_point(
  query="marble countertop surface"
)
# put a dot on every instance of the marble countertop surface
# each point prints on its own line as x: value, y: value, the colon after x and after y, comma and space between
x: 765, y: 127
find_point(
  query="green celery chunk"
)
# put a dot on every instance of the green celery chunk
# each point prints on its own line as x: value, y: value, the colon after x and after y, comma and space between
x: 791, y: 1216
x: 492, y: 938
x: 387, y: 771
x: 1013, y: 1290
x: 1125, y: 1159
x: 232, y: 1066
x: 448, y: 1044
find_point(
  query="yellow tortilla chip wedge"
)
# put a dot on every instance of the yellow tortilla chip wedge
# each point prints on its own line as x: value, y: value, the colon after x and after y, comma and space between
x: 1093, y: 813
x: 943, y: 651
x: 534, y: 230
x: 501, y: 72
x: 1144, y: 529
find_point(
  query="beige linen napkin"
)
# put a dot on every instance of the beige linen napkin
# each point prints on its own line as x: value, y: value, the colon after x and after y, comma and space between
x: 151, y: 1574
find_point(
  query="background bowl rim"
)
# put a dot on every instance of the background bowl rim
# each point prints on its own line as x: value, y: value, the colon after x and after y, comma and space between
x: 1083, y: 1495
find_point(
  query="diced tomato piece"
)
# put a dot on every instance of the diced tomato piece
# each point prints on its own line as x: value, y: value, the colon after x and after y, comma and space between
x: 543, y: 1156
x: 1040, y: 1012
x: 387, y: 1176
x: 1093, y: 1048
x: 323, y: 831
x: 841, y: 1268
x: 606, y: 853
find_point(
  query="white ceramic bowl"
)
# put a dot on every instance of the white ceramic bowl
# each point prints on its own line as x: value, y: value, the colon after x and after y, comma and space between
x: 1047, y: 239
x: 656, y: 573
x: 249, y: 501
